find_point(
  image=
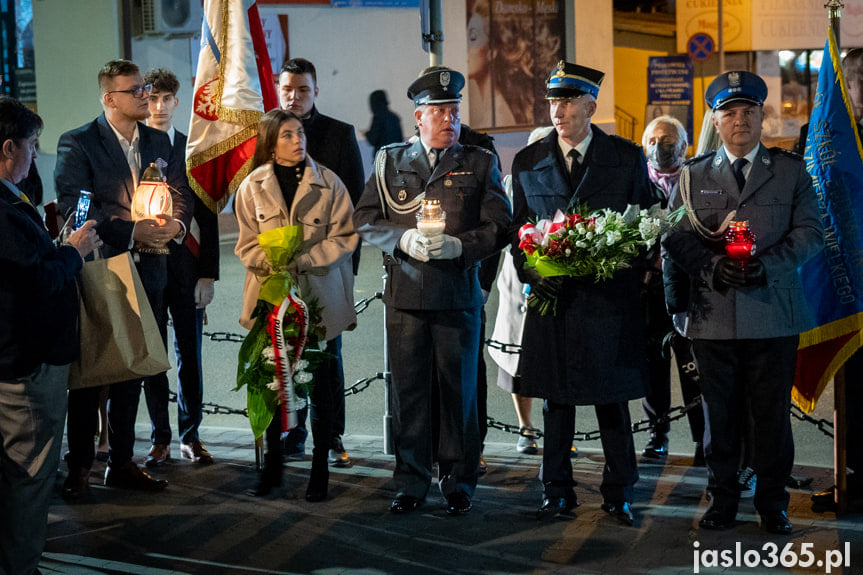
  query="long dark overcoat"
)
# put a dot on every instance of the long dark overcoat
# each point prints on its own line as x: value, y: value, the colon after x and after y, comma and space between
x: 592, y: 352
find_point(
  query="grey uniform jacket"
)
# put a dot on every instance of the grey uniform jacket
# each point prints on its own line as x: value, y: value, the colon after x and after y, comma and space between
x: 779, y: 203
x: 467, y: 182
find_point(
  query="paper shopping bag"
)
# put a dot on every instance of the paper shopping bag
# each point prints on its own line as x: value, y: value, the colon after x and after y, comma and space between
x: 120, y: 339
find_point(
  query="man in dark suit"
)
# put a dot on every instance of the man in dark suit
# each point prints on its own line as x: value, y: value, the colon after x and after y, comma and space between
x: 107, y: 157
x: 592, y: 351
x: 38, y: 340
x: 193, y: 267
x: 333, y: 144
x: 745, y: 317
x: 433, y: 294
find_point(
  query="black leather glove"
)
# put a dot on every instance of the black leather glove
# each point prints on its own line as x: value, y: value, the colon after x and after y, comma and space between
x: 728, y: 273
x: 739, y: 274
x: 547, y: 288
x: 754, y: 272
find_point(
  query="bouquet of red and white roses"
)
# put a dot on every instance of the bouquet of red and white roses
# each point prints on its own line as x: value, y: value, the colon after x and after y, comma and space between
x: 588, y: 243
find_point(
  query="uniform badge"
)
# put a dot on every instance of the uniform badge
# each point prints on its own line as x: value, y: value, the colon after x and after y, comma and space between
x: 447, y: 183
x: 765, y: 160
x: 444, y: 79
x: 403, y: 195
x: 733, y: 79
x: 558, y: 72
x: 717, y: 161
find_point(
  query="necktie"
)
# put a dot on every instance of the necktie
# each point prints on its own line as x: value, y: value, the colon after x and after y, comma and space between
x: 434, y: 154
x: 134, y: 165
x: 574, y: 168
x: 737, y: 167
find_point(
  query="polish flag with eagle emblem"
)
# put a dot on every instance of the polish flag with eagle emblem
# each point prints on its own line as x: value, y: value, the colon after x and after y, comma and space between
x: 229, y: 99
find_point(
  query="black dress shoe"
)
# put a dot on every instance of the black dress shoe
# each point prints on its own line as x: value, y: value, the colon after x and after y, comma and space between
x: 776, y: 522
x: 556, y: 506
x: 315, y: 495
x: 130, y: 476
x: 405, y: 504
x: 620, y: 510
x: 698, y: 460
x: 717, y: 520
x: 657, y: 446
x: 458, y: 503
x: 77, y: 483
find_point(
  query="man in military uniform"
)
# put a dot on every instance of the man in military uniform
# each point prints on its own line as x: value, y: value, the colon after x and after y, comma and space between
x: 591, y: 352
x: 433, y: 295
x: 745, y: 317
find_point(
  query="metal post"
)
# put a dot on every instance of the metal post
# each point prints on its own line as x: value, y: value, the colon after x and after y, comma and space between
x: 720, y: 43
x: 435, y: 33
x: 389, y: 448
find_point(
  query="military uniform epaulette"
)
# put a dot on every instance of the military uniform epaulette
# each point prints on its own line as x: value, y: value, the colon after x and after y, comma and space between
x: 476, y: 147
x: 694, y: 159
x: 395, y: 145
x: 784, y: 152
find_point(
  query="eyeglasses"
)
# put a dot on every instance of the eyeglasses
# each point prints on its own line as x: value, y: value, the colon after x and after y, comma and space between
x: 138, y: 92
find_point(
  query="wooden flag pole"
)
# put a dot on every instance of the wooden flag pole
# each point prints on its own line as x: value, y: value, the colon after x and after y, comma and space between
x: 840, y: 476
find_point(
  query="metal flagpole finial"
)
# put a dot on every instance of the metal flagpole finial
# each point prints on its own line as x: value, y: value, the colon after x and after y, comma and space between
x: 834, y: 8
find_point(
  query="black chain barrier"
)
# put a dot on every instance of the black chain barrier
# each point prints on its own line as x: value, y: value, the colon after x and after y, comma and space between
x: 675, y: 413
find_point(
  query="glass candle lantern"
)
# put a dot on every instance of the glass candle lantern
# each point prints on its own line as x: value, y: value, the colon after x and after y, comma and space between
x: 152, y: 198
x: 431, y: 219
x: 739, y: 241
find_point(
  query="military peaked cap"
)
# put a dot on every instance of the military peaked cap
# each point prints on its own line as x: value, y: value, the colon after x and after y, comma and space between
x: 571, y: 80
x: 735, y: 86
x: 437, y: 85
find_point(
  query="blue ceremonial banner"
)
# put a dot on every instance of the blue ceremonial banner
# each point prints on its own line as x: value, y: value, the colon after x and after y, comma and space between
x: 833, y: 280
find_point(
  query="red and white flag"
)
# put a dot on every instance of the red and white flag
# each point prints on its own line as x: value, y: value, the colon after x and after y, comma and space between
x: 230, y: 98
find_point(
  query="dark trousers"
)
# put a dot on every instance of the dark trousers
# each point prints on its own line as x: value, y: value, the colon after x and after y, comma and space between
x: 82, y: 422
x: 188, y: 323
x: 621, y: 470
x: 321, y: 399
x: 337, y: 390
x: 446, y: 343
x: 657, y: 402
x: 741, y: 375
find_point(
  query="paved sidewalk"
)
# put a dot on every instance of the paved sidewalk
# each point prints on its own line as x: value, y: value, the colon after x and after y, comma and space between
x: 204, y: 523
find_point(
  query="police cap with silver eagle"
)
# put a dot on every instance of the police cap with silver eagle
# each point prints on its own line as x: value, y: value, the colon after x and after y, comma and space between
x: 436, y: 85
x: 571, y: 80
x: 736, y: 86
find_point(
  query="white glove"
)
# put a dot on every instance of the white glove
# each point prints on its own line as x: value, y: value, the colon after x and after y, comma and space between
x: 204, y: 292
x: 444, y: 247
x: 413, y: 243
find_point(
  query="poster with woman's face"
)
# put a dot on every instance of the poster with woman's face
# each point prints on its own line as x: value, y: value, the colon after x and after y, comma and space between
x: 512, y: 47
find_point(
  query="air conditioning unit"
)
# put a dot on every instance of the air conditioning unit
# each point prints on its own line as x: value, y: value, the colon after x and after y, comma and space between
x: 171, y: 17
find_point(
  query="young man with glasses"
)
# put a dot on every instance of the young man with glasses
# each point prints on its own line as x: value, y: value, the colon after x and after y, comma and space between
x: 107, y: 157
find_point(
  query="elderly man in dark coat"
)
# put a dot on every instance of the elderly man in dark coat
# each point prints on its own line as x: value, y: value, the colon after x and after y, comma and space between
x: 592, y: 351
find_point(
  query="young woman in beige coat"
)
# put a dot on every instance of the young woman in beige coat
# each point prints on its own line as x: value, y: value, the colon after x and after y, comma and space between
x: 287, y: 188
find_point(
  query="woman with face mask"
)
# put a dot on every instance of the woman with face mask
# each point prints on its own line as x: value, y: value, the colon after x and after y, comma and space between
x: 665, y: 144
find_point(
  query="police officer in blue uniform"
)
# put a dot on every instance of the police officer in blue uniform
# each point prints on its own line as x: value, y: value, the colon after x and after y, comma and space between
x: 745, y: 318
x: 433, y: 295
